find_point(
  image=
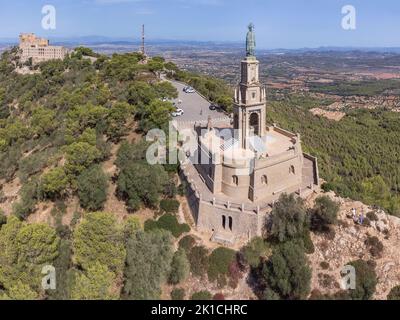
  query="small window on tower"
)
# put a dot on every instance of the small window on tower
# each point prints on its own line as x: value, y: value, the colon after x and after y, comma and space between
x: 235, y: 180
x: 264, y: 180
x: 292, y: 170
x: 253, y: 95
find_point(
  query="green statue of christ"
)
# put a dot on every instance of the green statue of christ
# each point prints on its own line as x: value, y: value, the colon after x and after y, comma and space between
x: 251, y: 41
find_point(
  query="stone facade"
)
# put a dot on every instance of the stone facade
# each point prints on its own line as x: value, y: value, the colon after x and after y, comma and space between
x: 239, y: 171
x: 38, y: 49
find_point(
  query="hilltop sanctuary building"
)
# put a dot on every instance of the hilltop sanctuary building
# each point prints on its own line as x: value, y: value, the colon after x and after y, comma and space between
x: 239, y: 170
x: 39, y: 49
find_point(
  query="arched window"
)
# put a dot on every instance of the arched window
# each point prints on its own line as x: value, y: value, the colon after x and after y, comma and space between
x: 230, y: 223
x: 224, y: 222
x: 235, y: 180
x: 264, y: 180
x: 255, y: 123
x: 292, y: 170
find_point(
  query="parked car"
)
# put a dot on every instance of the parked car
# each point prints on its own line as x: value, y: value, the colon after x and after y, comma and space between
x: 177, y: 113
x: 214, y: 107
x: 189, y: 90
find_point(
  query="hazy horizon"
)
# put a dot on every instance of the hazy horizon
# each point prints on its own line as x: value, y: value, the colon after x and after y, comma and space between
x: 286, y: 24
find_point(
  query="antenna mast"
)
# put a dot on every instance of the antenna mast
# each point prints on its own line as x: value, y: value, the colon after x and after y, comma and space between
x: 143, y: 50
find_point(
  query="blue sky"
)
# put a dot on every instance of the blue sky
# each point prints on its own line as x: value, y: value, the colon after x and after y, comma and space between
x: 279, y: 23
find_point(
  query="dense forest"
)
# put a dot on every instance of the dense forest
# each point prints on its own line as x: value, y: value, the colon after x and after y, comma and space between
x: 358, y: 156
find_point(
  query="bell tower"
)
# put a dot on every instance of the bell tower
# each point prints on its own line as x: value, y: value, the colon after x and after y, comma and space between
x: 250, y: 96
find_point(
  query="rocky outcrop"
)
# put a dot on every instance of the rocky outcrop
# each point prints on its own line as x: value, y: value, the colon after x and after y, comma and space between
x: 347, y: 242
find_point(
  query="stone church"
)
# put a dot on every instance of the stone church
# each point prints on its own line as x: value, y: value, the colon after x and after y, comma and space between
x: 241, y: 168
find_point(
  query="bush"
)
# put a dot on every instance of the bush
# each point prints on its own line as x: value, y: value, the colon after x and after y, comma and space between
x: 219, y: 297
x: 198, y: 258
x: 187, y: 243
x: 178, y: 294
x: 219, y: 262
x: 252, y: 252
x: 375, y: 246
x: 394, y: 294
x: 180, y: 267
x: 371, y: 215
x: 202, y: 295
x: 324, y: 214
x: 366, y: 280
x: 3, y: 218
x: 92, y: 188
x: 169, y: 205
x: 167, y: 222
x: 324, y: 265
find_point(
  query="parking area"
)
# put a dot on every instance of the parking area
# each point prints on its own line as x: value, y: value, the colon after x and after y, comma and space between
x: 195, y: 107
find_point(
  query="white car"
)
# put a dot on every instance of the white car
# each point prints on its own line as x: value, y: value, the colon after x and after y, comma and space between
x: 189, y: 90
x: 177, y: 113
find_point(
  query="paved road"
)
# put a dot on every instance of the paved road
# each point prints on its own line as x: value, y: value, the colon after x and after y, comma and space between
x: 196, y: 108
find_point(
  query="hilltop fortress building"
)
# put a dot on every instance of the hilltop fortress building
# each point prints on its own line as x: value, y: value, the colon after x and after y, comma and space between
x: 38, y: 49
x: 238, y: 172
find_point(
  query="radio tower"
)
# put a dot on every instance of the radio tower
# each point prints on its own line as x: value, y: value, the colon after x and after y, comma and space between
x: 143, y: 49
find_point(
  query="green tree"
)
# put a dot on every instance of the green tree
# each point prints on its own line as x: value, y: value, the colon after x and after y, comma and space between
x: 253, y: 252
x: 287, y: 272
x: 117, y: 117
x: 96, y: 283
x: 24, y: 250
x: 219, y: 262
x: 43, y: 121
x: 20, y: 291
x: 79, y: 156
x: 141, y: 183
x: 324, y: 213
x: 156, y: 115
x: 99, y: 238
x: 366, y: 280
x: 180, y: 267
x: 54, y: 183
x: 92, y: 188
x: 289, y: 218
x: 149, y: 256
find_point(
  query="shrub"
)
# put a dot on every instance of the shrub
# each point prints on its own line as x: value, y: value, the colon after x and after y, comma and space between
x: 3, y: 218
x: 180, y: 267
x: 167, y: 222
x: 324, y: 214
x: 178, y: 294
x: 324, y: 265
x: 252, y: 252
x: 92, y: 188
x: 198, y: 258
x: 394, y: 294
x: 366, y: 280
x: 187, y: 243
x: 219, y: 262
x: 169, y: 205
x: 202, y: 295
x: 219, y: 297
x: 371, y: 215
x: 375, y: 246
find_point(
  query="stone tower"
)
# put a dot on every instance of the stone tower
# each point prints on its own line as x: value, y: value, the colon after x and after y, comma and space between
x: 250, y: 97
